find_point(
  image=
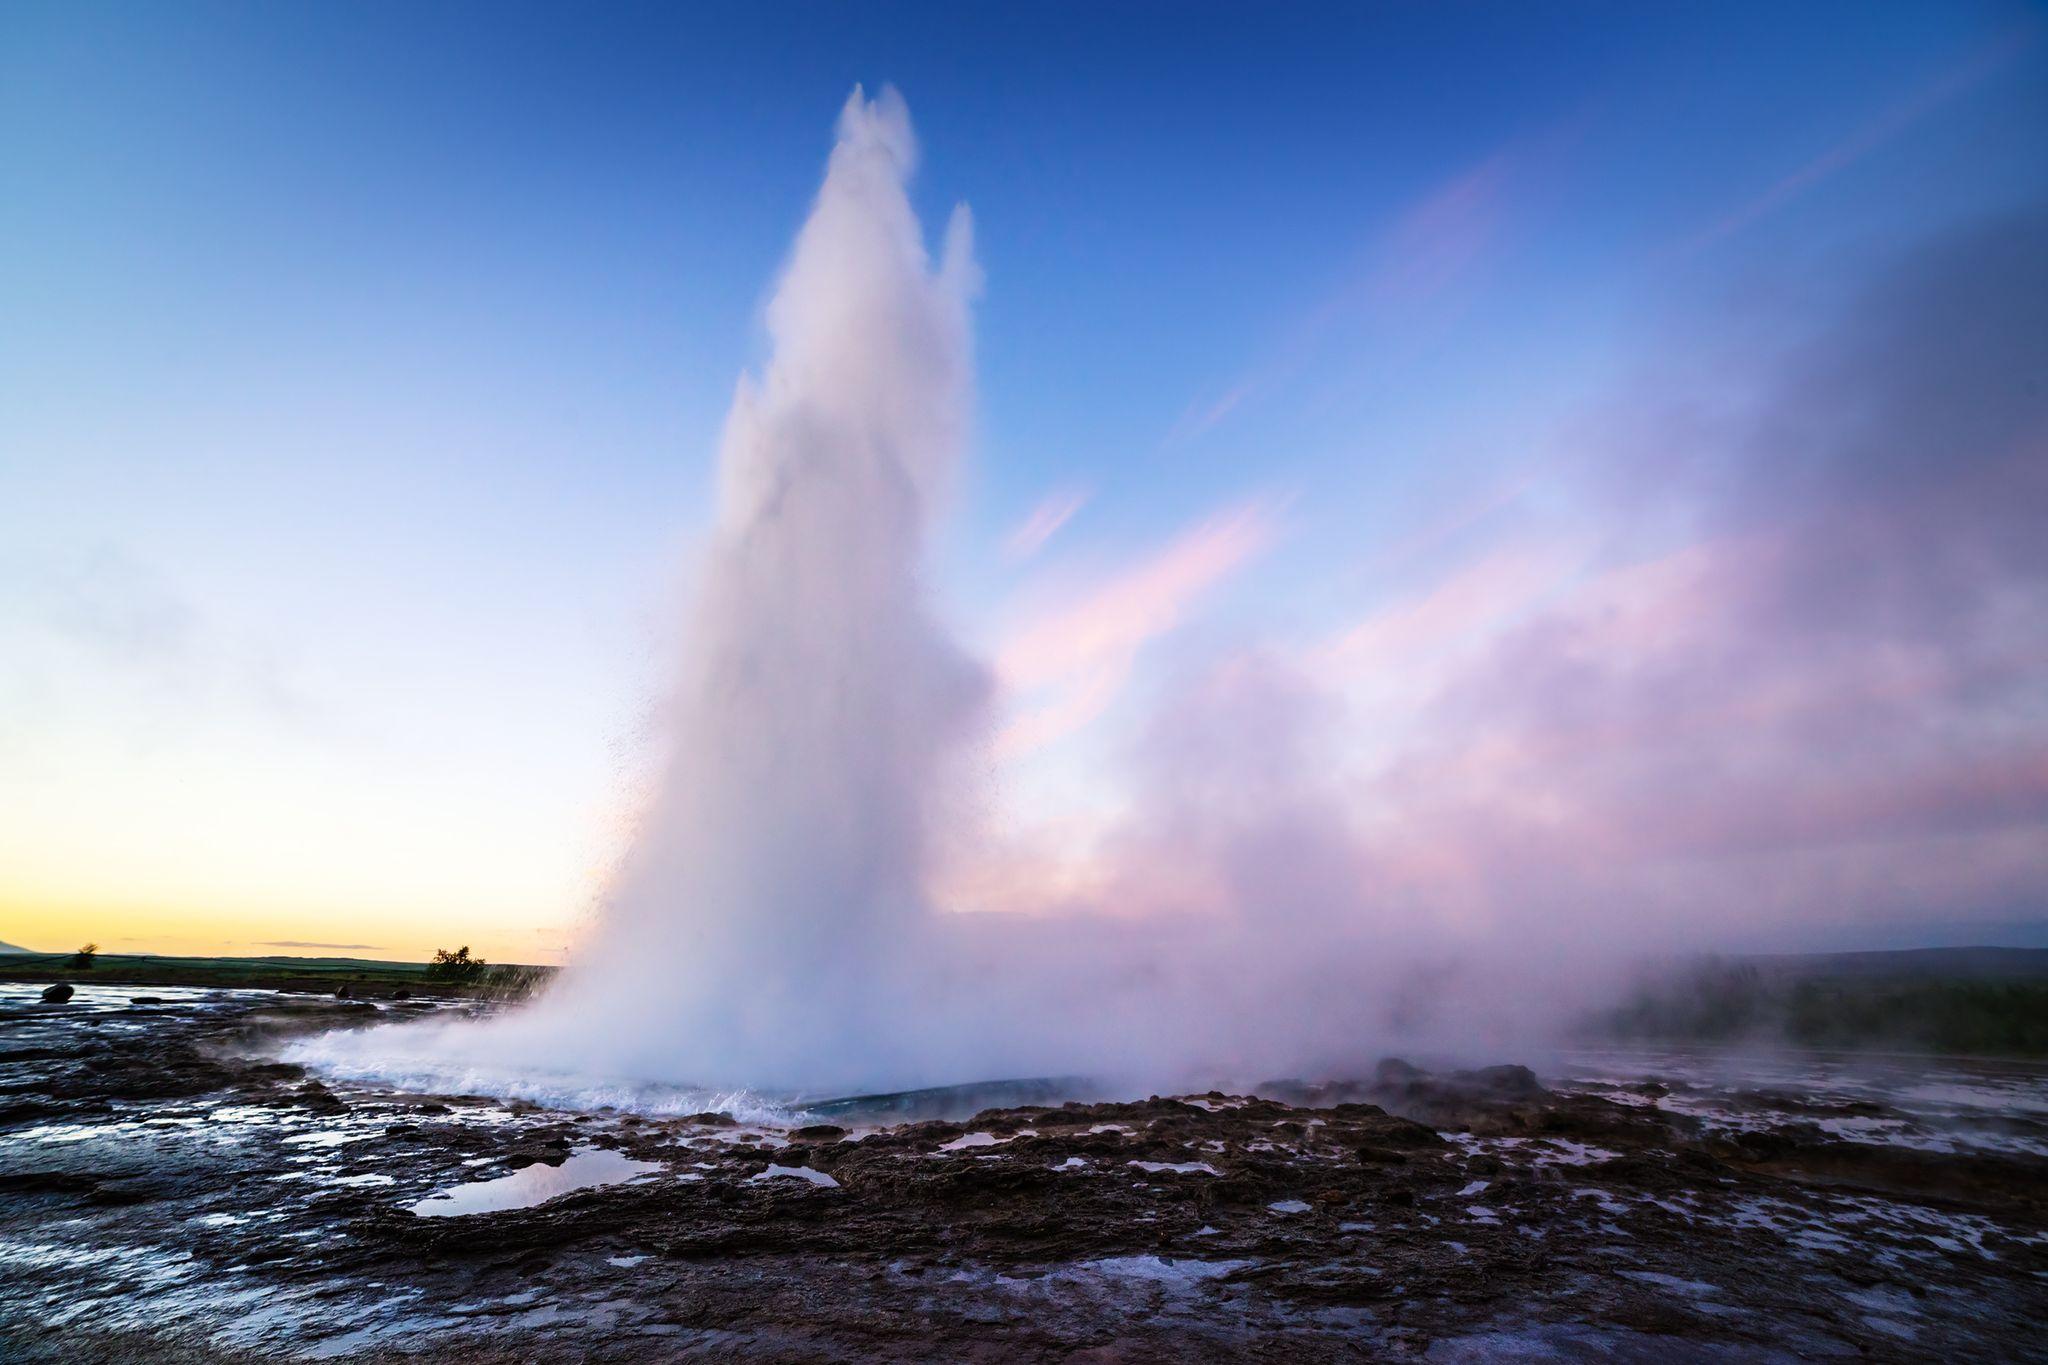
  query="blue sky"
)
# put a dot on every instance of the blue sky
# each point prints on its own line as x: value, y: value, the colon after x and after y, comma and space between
x: 361, y: 367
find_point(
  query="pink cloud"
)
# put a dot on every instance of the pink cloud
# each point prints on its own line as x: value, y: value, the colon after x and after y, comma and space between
x: 1479, y: 596
x: 1791, y: 679
x: 1044, y: 522
x: 1461, y: 517
x: 1441, y: 238
x: 1201, y: 417
x: 1074, y: 661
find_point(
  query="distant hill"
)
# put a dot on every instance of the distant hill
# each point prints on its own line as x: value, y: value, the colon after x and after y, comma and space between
x: 1966, y: 1001
x: 11, y: 948
x: 1951, y: 963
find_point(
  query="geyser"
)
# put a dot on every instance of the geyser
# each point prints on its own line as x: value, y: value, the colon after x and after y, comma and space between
x: 770, y: 906
x: 771, y: 901
x: 769, y: 935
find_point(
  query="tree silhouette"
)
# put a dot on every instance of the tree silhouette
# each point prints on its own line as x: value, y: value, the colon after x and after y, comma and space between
x: 457, y: 966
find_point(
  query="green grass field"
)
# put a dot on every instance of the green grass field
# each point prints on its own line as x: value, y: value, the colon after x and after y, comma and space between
x: 368, y: 975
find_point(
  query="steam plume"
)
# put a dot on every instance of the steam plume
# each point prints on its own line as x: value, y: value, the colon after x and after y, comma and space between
x: 771, y: 903
x: 768, y: 902
x: 1267, y: 905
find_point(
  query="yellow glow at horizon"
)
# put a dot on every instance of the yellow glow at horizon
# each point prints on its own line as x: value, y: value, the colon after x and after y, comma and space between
x: 216, y: 852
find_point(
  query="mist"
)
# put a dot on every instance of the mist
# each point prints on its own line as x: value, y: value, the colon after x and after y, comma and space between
x: 1270, y: 905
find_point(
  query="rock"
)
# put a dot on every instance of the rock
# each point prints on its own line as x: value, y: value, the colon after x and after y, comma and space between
x: 318, y: 1098
x: 57, y: 994
x: 401, y: 994
x: 1768, y: 1146
x: 1403, y: 1134
x: 818, y: 1132
x: 1394, y: 1071
x: 713, y: 1119
x: 1504, y: 1082
x: 344, y: 993
x: 1495, y: 1096
x: 145, y: 1000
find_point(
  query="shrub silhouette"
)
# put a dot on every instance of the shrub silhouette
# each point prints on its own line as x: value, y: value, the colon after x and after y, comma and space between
x: 457, y: 967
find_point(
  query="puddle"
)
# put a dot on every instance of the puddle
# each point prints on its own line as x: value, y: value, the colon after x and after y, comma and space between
x: 531, y: 1185
x: 961, y: 1144
x: 1176, y: 1167
x: 1163, y: 1270
x: 818, y: 1178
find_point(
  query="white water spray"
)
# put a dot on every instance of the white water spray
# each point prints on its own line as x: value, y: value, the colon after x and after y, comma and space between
x: 767, y: 902
x: 771, y: 905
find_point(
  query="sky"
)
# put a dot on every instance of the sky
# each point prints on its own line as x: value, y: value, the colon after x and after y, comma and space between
x: 1603, y: 445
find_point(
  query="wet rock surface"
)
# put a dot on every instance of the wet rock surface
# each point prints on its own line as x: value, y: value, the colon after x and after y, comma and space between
x: 167, y: 1193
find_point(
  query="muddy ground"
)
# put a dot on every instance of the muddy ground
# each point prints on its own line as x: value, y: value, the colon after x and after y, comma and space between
x: 167, y: 1193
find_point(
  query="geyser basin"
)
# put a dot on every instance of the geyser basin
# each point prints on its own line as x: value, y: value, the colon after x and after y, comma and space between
x: 164, y: 1184
x: 171, y: 1185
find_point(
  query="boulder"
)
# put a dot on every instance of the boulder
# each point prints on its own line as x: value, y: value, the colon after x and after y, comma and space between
x: 1503, y: 1082
x: 1392, y: 1071
x: 1491, y: 1095
x: 57, y: 994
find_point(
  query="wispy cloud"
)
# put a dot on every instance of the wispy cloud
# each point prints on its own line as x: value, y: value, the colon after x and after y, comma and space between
x: 1440, y: 240
x: 1950, y: 82
x: 1442, y: 237
x: 1073, y: 661
x: 1469, y: 602
x: 1044, y: 522
x: 1459, y: 518
x: 104, y: 615
x: 1203, y: 414
x: 301, y: 943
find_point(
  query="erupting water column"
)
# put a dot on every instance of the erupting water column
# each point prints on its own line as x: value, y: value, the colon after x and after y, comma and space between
x: 769, y: 913
x: 773, y: 892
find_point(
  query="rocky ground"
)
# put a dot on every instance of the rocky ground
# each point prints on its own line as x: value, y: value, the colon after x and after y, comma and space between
x: 168, y: 1194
